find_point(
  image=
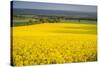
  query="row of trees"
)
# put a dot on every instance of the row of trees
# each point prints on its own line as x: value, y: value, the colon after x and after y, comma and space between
x: 50, y: 19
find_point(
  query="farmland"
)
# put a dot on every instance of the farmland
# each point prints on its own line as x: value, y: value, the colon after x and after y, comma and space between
x: 54, y: 43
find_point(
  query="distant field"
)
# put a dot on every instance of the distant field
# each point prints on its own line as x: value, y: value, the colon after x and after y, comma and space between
x: 25, y: 22
x: 53, y: 43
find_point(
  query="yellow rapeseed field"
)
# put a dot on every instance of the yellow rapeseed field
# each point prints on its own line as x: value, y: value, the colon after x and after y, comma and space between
x: 54, y: 43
